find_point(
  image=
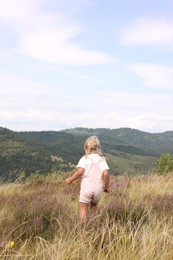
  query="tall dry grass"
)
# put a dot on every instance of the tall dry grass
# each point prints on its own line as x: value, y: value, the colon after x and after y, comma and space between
x: 39, y: 220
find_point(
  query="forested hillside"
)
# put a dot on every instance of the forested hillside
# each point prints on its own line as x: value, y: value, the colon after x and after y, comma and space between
x: 17, y: 155
x: 130, y: 140
x: 128, y: 151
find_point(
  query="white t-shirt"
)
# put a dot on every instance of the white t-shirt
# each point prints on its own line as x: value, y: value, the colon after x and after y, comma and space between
x: 94, y: 166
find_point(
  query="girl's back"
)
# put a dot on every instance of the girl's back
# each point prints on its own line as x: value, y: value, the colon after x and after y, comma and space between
x: 94, y: 166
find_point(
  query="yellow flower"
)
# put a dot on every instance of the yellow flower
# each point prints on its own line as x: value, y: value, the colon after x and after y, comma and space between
x: 11, y: 243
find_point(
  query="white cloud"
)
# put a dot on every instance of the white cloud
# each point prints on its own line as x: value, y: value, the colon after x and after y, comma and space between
x: 50, y: 46
x: 151, y: 121
x: 78, y: 76
x: 154, y: 75
x: 35, y: 31
x: 17, y: 86
x: 147, y: 112
x: 46, y: 35
x: 148, y: 31
x: 18, y: 10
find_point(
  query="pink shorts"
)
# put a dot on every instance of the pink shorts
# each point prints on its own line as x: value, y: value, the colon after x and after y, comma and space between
x: 88, y: 195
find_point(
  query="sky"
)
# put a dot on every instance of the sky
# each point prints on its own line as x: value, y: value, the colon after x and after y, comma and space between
x: 86, y: 63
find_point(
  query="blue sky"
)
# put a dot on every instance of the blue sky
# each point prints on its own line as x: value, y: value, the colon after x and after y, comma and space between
x: 86, y: 63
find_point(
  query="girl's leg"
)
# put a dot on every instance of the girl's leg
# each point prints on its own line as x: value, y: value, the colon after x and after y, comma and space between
x: 93, y: 207
x: 83, y: 210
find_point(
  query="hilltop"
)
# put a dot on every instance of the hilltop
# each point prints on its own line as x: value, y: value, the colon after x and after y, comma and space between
x: 128, y: 151
x: 19, y: 155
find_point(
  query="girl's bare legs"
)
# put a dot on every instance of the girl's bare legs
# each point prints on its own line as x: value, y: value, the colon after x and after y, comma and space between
x: 84, y: 207
x: 93, y: 207
x: 83, y: 210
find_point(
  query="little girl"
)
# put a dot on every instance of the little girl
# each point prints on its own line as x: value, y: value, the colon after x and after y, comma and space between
x: 94, y: 172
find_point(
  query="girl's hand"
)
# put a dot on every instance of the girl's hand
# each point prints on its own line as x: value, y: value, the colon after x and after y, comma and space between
x: 68, y: 181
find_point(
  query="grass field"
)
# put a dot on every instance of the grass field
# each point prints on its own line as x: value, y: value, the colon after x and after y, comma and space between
x: 39, y: 220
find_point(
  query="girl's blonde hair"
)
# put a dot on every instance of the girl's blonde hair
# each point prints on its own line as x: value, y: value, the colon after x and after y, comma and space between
x: 92, y: 145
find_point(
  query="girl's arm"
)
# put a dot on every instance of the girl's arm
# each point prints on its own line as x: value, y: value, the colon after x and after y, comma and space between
x: 75, y: 176
x: 106, y: 180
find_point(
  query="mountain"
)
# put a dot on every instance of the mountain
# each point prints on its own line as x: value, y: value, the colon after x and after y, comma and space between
x: 128, y: 151
x: 130, y: 140
x: 17, y: 155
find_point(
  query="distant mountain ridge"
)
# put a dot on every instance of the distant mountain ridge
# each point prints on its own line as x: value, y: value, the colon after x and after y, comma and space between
x: 147, y: 143
x: 127, y: 150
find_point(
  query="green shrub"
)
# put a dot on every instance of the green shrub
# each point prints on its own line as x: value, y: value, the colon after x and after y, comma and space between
x: 164, y: 164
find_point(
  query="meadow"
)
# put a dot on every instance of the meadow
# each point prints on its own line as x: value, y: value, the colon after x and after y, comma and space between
x: 39, y: 220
